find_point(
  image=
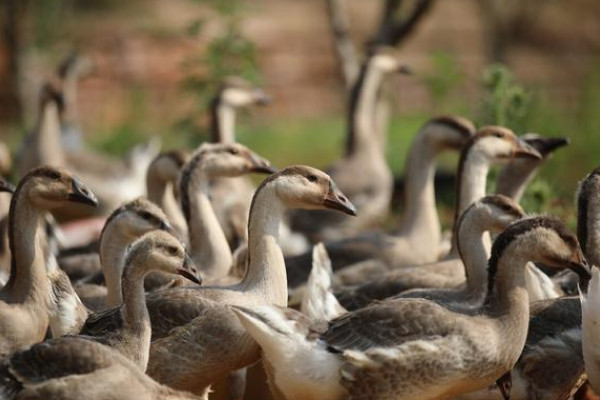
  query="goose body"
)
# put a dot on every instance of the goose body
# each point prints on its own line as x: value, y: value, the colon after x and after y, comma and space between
x: 413, y: 348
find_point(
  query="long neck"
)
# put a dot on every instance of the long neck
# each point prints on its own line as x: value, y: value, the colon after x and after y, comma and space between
x: 48, y: 136
x: 135, y: 313
x: 473, y: 171
x: 70, y: 95
x: 112, y: 250
x: 362, y: 137
x: 208, y: 244
x: 475, y: 249
x: 420, y: 216
x: 514, y: 177
x: 266, y: 274
x: 28, y: 281
x: 222, y: 122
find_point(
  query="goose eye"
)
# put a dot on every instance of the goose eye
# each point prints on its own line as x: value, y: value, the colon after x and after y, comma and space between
x: 54, y: 176
x: 172, y: 250
x: 498, y: 135
x: 312, y: 178
x: 233, y: 151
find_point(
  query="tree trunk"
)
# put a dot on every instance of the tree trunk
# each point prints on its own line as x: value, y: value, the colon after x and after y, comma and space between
x: 10, y: 102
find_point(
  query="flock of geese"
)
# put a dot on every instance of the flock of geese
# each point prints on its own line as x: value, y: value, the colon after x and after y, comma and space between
x: 177, y: 275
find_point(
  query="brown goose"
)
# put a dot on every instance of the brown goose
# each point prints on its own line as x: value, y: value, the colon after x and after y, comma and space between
x: 24, y: 309
x: 196, y: 325
x: 363, y: 172
x: 413, y: 348
x: 127, y: 327
x: 420, y: 226
x: 6, y: 190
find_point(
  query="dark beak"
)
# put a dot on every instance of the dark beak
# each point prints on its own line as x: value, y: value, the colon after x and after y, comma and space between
x: 6, y: 186
x: 188, y: 271
x: 547, y: 145
x: 524, y: 150
x: 261, y: 165
x: 405, y: 70
x: 81, y: 194
x: 336, y: 200
x: 262, y: 99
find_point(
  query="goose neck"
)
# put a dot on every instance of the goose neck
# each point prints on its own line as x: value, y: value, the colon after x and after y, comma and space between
x: 362, y: 137
x: 48, y: 136
x: 591, y: 239
x: 28, y: 281
x: 473, y: 170
x: 508, y: 297
x: 514, y: 177
x: 474, y: 246
x: 208, y: 244
x: 113, y: 245
x: 222, y: 122
x: 421, y: 213
x: 135, y: 313
x: 266, y: 275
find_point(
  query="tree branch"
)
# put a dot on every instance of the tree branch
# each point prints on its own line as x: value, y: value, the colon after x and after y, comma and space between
x: 345, y: 49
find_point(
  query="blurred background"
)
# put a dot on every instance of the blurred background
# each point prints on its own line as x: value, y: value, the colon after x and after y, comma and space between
x: 532, y: 65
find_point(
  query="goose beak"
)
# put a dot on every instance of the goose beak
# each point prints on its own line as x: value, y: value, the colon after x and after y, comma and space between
x: 580, y: 266
x: 336, y: 200
x: 81, y: 194
x: 188, y: 271
x: 524, y: 150
x: 262, y: 98
x: 6, y: 186
x: 547, y: 145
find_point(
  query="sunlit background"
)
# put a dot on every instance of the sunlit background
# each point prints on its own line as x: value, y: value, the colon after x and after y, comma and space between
x: 532, y: 65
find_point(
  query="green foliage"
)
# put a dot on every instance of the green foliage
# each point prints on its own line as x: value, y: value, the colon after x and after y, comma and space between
x: 229, y: 54
x: 506, y: 102
x: 443, y: 79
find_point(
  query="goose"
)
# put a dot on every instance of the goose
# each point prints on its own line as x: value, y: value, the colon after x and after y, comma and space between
x: 208, y: 244
x: 129, y: 331
x: 5, y: 159
x: 73, y: 368
x: 590, y: 304
x: 413, y: 348
x: 231, y: 197
x: 196, y: 326
x: 161, y: 186
x: 24, y: 306
x: 420, y: 225
x: 363, y: 172
x: 113, y: 182
x: 6, y: 191
x: 489, y: 146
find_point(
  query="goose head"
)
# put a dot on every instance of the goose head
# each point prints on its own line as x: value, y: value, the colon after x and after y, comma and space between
x: 137, y: 217
x: 166, y: 166
x: 387, y: 60
x: 160, y: 251
x: 75, y: 64
x: 545, y: 240
x: 305, y: 187
x: 236, y: 92
x: 449, y: 131
x: 225, y: 160
x: 50, y: 187
x: 498, y: 144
